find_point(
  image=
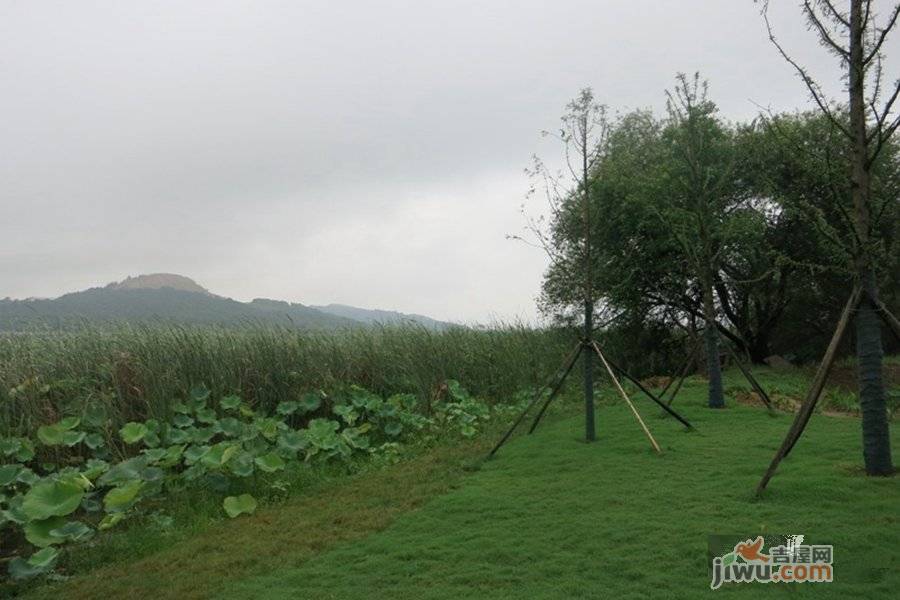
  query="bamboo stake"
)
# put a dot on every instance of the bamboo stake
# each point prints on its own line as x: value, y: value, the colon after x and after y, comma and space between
x: 649, y: 394
x: 625, y: 397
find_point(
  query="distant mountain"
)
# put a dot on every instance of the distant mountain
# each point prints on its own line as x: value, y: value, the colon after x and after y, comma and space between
x: 384, y: 317
x: 155, y: 281
x: 169, y: 298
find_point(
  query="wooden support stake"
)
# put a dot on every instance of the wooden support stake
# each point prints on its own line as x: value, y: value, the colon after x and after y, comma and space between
x: 556, y: 388
x: 824, y: 369
x: 684, y: 373
x: 750, y: 378
x: 888, y: 317
x: 649, y: 394
x: 568, y: 367
x: 687, y: 363
x: 625, y: 397
x: 815, y: 390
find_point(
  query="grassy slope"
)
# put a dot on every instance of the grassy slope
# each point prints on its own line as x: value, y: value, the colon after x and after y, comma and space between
x: 551, y: 517
x: 331, y: 511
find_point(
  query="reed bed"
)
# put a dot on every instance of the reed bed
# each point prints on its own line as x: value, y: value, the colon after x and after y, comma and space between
x: 138, y: 372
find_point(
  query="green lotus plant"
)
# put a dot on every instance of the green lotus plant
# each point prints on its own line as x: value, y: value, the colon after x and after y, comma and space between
x: 462, y: 412
x: 84, y: 476
x: 239, y: 505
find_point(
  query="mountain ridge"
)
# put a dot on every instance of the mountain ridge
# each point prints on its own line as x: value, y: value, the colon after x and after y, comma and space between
x: 176, y: 299
x: 374, y: 316
x: 158, y: 280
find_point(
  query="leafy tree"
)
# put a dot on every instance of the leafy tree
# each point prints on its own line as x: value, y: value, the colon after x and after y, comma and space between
x: 856, y: 40
x: 666, y: 193
x: 700, y: 189
x: 794, y: 163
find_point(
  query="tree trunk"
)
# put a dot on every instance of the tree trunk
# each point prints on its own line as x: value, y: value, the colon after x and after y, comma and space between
x: 869, y: 352
x: 711, y: 335
x: 590, y: 433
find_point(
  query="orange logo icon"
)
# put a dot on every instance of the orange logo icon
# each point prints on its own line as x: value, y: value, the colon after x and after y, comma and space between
x: 750, y: 551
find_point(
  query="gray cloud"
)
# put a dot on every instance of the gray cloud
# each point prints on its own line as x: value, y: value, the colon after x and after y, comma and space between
x: 356, y: 152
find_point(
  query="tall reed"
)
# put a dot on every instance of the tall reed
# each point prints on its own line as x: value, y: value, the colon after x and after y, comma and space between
x: 139, y: 371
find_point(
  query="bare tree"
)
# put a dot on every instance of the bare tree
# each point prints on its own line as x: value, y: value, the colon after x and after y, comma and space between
x: 583, y: 133
x: 856, y: 40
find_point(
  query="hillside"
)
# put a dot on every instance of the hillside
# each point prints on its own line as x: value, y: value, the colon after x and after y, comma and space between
x: 146, y: 305
x: 155, y: 281
x: 383, y: 317
x: 170, y: 298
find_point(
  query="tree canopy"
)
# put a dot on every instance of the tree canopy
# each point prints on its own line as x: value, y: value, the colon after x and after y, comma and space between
x: 760, y: 209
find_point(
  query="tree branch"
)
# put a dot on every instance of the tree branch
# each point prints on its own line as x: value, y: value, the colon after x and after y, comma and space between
x: 811, y: 85
x: 883, y: 35
x: 836, y: 14
x: 824, y: 35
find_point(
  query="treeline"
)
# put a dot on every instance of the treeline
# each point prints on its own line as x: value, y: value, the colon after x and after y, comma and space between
x: 744, y: 224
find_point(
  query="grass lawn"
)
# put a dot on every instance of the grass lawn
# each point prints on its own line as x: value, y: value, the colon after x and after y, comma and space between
x: 550, y: 517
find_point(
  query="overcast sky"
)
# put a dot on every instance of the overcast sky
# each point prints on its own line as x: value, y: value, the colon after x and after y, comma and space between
x: 367, y: 153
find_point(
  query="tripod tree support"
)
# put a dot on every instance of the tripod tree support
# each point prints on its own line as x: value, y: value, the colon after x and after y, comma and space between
x: 625, y: 397
x: 566, y: 368
x: 744, y: 371
x: 815, y: 390
x: 648, y: 393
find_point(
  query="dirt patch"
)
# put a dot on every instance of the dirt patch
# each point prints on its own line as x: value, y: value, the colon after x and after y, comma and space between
x: 779, y: 401
x: 748, y: 398
x: 657, y: 381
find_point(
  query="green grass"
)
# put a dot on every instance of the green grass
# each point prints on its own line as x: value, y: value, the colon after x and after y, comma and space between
x: 330, y: 511
x: 550, y: 517
x: 788, y: 387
